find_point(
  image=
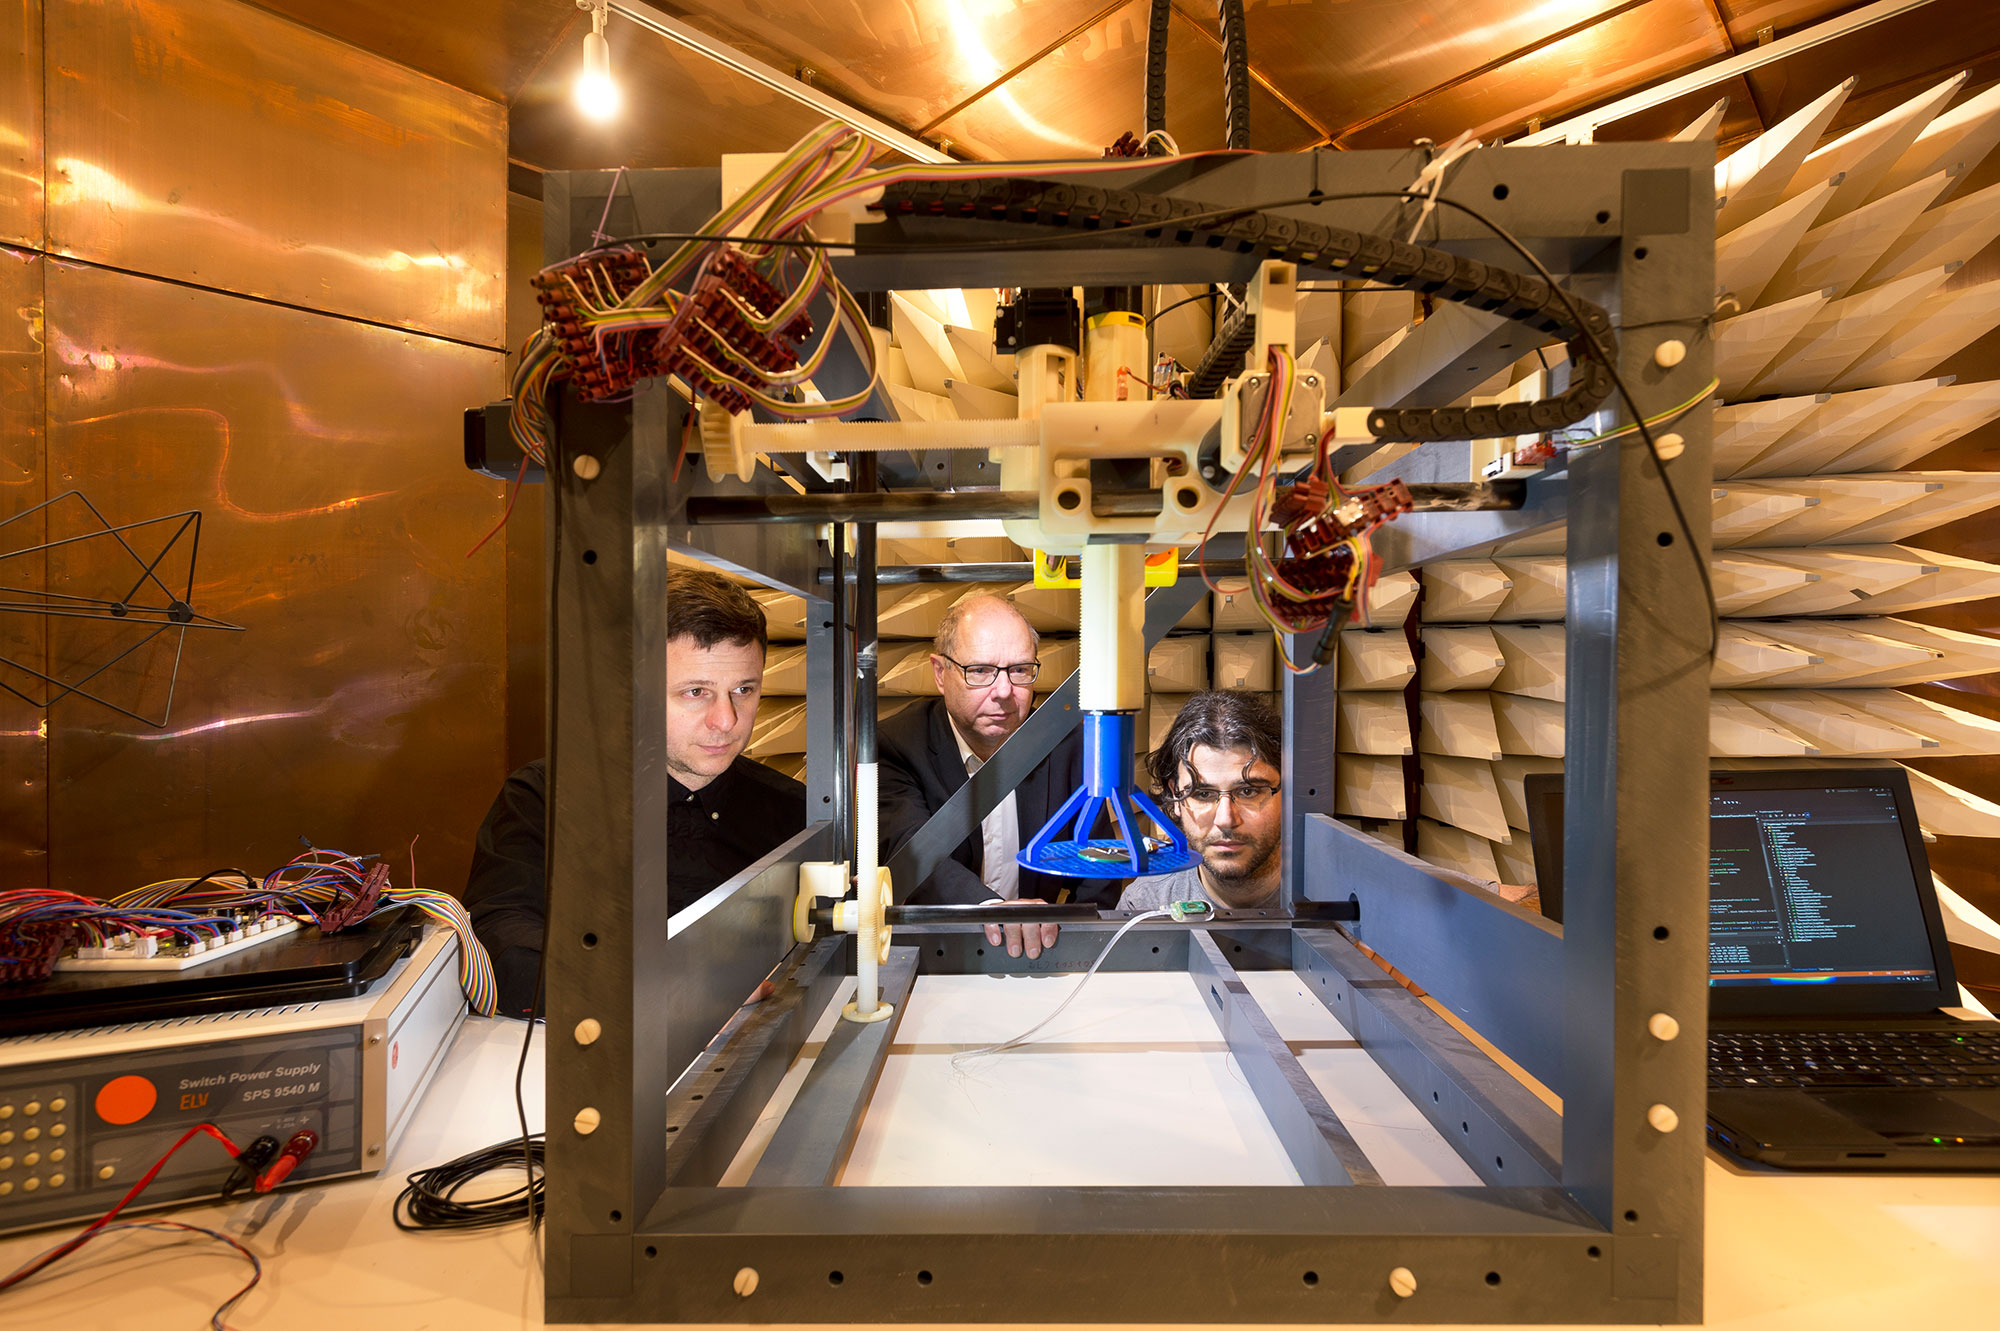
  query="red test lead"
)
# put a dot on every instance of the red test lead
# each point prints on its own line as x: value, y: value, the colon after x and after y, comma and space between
x: 296, y: 1150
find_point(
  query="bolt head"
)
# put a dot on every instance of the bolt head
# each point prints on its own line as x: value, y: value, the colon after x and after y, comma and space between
x: 588, y: 1030
x: 746, y: 1282
x: 586, y: 467
x: 586, y: 1121
x: 1403, y: 1281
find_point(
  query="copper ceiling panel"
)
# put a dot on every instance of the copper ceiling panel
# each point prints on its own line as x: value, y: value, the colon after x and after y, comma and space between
x: 1081, y: 97
x: 364, y: 703
x: 219, y: 144
x: 909, y: 63
x: 680, y: 110
x: 1347, y: 62
x: 1629, y: 50
x: 488, y: 47
x: 1891, y: 61
x: 24, y: 745
x: 1783, y: 17
x: 21, y: 122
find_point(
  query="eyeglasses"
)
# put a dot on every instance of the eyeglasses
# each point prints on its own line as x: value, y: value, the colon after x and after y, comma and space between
x: 983, y: 676
x: 1201, y: 801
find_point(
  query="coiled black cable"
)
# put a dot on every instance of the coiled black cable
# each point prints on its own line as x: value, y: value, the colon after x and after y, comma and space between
x: 1160, y: 23
x: 429, y: 1199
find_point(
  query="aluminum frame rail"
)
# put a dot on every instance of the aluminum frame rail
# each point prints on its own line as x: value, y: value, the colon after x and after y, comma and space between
x: 655, y: 1073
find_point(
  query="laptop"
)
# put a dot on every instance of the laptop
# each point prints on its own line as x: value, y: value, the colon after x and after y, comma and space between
x: 1827, y: 969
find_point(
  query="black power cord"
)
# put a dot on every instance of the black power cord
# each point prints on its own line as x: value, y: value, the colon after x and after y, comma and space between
x: 429, y: 1199
x: 1604, y: 358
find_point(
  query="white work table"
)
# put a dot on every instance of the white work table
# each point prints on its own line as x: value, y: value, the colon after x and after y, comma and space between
x: 1783, y: 1250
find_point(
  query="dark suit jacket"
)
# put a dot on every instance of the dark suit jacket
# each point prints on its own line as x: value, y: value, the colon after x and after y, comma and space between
x: 921, y: 769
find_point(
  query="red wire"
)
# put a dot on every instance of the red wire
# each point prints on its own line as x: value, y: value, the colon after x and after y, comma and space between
x: 57, y: 1254
x: 513, y: 493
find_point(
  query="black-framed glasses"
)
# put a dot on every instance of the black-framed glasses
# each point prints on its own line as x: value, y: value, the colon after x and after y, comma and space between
x: 983, y: 676
x: 1201, y: 801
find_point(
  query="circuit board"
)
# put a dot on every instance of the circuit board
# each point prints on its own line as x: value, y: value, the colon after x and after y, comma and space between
x: 129, y: 953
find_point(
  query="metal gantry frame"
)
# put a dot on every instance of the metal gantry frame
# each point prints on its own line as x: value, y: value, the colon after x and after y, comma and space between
x: 656, y: 1075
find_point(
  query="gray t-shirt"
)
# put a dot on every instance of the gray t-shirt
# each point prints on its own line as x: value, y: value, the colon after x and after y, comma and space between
x: 1155, y: 892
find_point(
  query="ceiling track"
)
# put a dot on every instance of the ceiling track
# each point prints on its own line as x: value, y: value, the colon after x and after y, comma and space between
x: 1581, y: 128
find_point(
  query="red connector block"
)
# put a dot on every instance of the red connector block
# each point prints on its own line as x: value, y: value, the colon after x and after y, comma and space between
x: 711, y: 326
x: 608, y: 276
x: 1318, y: 557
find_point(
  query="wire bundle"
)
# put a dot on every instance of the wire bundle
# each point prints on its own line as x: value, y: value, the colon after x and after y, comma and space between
x: 770, y: 224
x: 38, y: 924
x: 1285, y: 605
x: 318, y: 887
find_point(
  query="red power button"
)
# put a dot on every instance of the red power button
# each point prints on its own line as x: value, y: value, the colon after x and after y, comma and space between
x: 126, y: 1099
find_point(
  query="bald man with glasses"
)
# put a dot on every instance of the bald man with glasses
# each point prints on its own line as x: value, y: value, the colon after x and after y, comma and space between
x: 985, y: 663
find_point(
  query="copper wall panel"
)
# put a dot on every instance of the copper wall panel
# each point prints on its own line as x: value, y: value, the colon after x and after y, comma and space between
x: 215, y: 143
x: 1083, y: 96
x: 1631, y: 50
x: 24, y: 748
x: 527, y: 579
x: 487, y: 47
x: 365, y: 704
x: 21, y: 121
x: 680, y: 110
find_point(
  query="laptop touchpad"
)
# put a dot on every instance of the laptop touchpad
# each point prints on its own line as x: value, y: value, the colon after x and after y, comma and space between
x: 1904, y: 1116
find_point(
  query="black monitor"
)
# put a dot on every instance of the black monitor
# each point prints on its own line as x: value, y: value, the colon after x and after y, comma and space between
x: 1820, y: 895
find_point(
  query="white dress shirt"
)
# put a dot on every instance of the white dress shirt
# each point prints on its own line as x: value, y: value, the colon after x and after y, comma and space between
x: 999, y: 833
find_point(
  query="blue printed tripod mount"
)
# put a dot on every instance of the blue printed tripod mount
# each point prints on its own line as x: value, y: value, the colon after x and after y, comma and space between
x: 1107, y: 783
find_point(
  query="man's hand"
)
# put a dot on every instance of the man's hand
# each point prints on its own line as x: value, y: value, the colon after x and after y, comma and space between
x: 1031, y: 938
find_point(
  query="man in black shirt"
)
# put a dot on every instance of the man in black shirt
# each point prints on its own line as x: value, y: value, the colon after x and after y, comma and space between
x: 724, y: 812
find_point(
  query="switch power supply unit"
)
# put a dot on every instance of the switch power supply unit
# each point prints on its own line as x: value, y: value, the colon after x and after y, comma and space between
x: 84, y: 1113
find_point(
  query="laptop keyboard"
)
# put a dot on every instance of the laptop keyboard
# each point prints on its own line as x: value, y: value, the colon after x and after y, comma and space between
x: 1937, y: 1059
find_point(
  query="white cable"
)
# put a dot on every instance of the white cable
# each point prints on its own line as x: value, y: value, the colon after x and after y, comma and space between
x: 1433, y: 176
x: 1166, y: 141
x: 1024, y: 1036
